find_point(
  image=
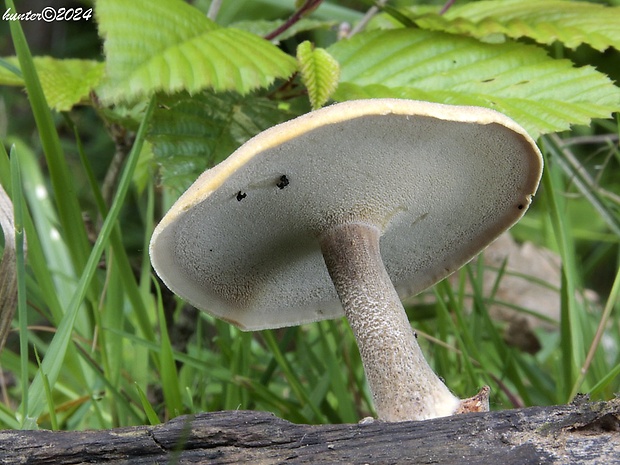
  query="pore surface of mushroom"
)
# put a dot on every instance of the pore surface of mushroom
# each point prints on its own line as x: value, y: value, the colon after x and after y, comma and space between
x: 351, y: 207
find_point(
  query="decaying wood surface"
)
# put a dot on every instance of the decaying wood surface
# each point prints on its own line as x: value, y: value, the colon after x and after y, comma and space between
x: 580, y: 433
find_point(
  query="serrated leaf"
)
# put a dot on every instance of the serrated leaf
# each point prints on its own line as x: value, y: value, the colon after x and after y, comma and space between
x: 571, y: 23
x: 65, y: 83
x: 192, y: 133
x: 522, y: 81
x: 171, y: 46
x: 319, y: 73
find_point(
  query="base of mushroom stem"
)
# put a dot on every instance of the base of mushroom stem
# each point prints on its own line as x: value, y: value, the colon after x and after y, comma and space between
x: 477, y: 403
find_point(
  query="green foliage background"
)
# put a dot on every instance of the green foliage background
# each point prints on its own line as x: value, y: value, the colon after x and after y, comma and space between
x: 118, y: 119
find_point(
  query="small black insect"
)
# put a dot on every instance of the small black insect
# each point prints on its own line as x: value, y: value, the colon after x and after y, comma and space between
x: 241, y: 196
x: 283, y: 182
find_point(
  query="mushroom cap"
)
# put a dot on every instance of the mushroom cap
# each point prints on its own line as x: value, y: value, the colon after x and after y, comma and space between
x: 441, y: 182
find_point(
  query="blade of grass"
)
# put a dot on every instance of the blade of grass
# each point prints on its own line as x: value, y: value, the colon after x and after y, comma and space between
x: 266, y: 399
x: 149, y: 226
x: 132, y: 288
x: 221, y: 374
x: 62, y: 182
x: 148, y: 408
x: 7, y: 417
x: 442, y: 357
x: 11, y: 67
x: 294, y: 381
x: 571, y: 344
x: 289, y: 335
x: 465, y: 340
x: 36, y: 256
x: 611, y: 301
x: 107, y: 345
x: 54, y: 357
x: 605, y: 381
x: 48, y: 396
x: 168, y: 369
x: 48, y: 259
x: 20, y: 252
x: 330, y: 341
x: 239, y: 366
x: 541, y: 386
x: 112, y: 388
x: 580, y: 177
x: 317, y: 396
x: 505, y: 358
x: 46, y: 223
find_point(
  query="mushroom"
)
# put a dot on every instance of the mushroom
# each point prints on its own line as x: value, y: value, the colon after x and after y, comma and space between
x: 382, y: 199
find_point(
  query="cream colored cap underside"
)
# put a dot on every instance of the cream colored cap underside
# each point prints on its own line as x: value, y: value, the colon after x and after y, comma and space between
x: 439, y: 190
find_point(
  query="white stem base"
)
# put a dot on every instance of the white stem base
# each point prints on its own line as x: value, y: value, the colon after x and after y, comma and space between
x: 403, y: 385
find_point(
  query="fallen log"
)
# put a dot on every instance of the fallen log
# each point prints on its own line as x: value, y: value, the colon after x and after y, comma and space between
x: 580, y: 433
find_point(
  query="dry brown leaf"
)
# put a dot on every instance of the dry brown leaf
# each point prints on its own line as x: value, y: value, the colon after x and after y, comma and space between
x: 8, y: 268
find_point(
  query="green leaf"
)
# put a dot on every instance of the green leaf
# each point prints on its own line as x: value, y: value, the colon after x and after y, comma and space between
x: 65, y: 83
x: 522, y: 81
x: 176, y: 47
x: 192, y: 133
x: 319, y: 73
x: 572, y: 23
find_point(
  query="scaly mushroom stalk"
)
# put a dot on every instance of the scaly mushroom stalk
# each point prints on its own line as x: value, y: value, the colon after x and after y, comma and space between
x: 390, y: 352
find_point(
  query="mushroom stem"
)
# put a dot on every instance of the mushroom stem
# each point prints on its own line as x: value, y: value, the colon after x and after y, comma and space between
x: 403, y: 385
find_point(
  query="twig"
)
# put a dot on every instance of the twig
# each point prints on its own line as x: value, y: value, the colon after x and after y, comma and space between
x: 571, y: 159
x: 447, y: 6
x: 599, y: 139
x: 214, y: 9
x: 376, y: 8
x: 367, y: 17
x: 123, y: 141
x: 307, y: 7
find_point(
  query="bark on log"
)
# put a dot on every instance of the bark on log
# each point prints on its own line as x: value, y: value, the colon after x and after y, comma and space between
x: 580, y: 433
